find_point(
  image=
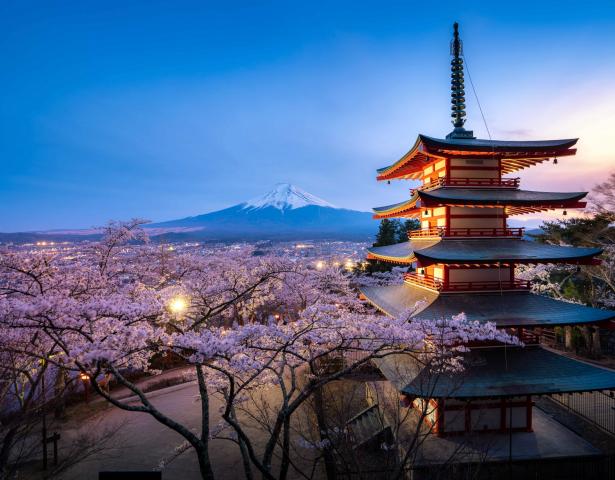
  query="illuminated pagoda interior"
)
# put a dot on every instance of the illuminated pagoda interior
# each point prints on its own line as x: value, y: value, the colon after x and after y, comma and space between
x: 464, y: 257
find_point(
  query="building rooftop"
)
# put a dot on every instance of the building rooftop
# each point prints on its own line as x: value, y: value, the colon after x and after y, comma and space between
x: 473, y: 251
x: 500, y: 146
x: 506, y: 309
x: 498, y: 372
x: 515, y: 201
x: 515, y: 155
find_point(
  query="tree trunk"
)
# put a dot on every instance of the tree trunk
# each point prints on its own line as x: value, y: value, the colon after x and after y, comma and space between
x: 60, y: 394
x: 568, y: 338
x: 202, y: 450
x: 324, y: 436
x: 204, y: 464
x: 596, y: 346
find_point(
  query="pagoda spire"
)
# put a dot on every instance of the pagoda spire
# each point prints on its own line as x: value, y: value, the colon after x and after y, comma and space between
x: 458, y: 106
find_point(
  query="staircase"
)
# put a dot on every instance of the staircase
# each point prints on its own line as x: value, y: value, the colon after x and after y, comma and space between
x: 368, y: 426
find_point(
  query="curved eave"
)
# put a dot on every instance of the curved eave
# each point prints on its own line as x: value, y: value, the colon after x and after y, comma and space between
x: 400, y: 253
x: 515, y: 155
x: 497, y: 197
x: 506, y: 309
x: 455, y: 252
x: 515, y: 201
x: 406, y: 208
x: 539, y: 147
x: 410, y: 165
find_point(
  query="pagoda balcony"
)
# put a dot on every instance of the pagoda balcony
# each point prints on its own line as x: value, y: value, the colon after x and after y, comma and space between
x: 436, y: 284
x: 425, y: 281
x: 480, y: 182
x: 470, y: 183
x: 466, y: 232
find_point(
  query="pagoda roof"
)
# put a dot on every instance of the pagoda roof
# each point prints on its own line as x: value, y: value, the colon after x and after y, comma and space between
x: 480, y: 251
x: 515, y: 155
x: 506, y: 309
x: 507, y: 146
x: 515, y: 201
x: 401, y: 252
x: 498, y: 372
x: 401, y: 209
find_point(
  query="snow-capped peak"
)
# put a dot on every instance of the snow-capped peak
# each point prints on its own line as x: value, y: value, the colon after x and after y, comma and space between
x: 286, y: 196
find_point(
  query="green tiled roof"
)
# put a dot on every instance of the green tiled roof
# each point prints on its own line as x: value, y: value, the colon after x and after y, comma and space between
x: 497, y: 145
x: 503, y: 250
x: 508, y: 309
x: 502, y: 196
x: 481, y: 250
x: 499, y: 372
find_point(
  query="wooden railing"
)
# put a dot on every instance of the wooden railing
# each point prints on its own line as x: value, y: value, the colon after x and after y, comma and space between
x: 432, y: 283
x: 427, y: 232
x: 470, y: 182
x: 487, y: 285
x: 465, y: 232
x: 480, y: 182
x: 426, y: 281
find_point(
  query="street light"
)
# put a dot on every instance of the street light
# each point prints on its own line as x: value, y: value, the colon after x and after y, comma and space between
x: 85, y: 379
x: 178, y: 305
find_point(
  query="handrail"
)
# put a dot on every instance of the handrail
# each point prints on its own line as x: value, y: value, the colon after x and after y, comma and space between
x: 432, y: 283
x: 426, y: 281
x: 481, y: 182
x: 471, y: 182
x: 466, y: 232
x: 488, y: 285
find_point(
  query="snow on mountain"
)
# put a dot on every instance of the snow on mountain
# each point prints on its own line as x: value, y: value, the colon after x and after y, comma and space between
x: 285, y: 213
x: 285, y: 196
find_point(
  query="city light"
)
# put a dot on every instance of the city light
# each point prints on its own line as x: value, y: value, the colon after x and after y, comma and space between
x: 320, y: 265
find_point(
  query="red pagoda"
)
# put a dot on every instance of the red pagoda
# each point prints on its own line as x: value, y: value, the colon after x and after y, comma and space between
x: 464, y: 258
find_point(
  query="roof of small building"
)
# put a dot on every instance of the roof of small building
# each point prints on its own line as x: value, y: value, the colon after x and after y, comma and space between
x: 498, y: 372
x: 506, y: 309
x: 483, y: 250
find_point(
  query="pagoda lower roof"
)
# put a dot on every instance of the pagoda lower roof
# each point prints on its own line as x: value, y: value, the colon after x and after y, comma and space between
x: 480, y: 251
x: 498, y: 372
x: 515, y: 155
x: 497, y: 197
x: 506, y: 309
x: 515, y: 201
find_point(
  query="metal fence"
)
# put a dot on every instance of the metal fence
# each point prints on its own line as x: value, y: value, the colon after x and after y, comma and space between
x: 596, y: 407
x: 593, y: 467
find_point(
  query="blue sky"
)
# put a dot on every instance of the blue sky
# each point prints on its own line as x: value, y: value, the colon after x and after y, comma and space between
x: 111, y: 110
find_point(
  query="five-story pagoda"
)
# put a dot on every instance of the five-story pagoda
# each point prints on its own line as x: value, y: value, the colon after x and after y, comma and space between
x: 465, y: 256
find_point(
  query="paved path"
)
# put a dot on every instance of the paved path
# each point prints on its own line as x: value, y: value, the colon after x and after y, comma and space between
x: 142, y: 442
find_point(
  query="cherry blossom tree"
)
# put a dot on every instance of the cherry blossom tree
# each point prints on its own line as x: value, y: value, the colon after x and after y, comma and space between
x: 248, y: 325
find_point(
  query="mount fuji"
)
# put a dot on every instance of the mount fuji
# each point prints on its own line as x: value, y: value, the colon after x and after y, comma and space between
x: 285, y: 213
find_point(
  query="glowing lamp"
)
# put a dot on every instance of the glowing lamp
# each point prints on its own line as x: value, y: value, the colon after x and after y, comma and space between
x: 178, y: 305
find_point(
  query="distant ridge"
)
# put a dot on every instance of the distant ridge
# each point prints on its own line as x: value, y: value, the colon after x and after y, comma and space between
x: 286, y: 212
